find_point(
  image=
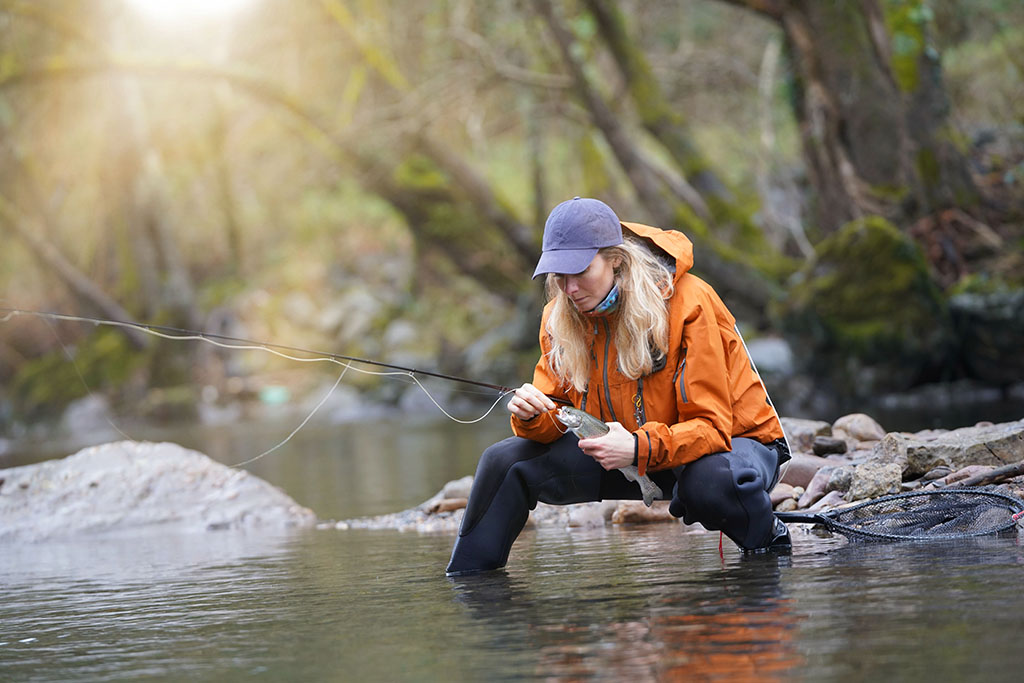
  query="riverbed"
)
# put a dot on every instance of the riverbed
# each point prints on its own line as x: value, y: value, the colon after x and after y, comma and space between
x: 639, y: 603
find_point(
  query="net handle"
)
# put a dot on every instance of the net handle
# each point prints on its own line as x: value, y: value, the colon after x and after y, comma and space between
x: 807, y: 517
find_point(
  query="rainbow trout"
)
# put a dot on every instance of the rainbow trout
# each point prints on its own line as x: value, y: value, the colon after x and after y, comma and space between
x: 586, y: 426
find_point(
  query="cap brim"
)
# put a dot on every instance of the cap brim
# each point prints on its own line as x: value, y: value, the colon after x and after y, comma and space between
x: 564, y: 261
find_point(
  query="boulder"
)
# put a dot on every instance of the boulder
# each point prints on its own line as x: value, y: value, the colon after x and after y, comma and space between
x: 999, y: 444
x: 134, y: 487
x: 866, y: 312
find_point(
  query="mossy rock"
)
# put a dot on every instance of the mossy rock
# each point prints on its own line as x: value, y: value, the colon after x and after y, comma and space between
x: 868, y: 311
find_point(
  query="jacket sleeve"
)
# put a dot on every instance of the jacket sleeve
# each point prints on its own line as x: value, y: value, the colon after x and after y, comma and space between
x: 545, y: 427
x: 702, y: 396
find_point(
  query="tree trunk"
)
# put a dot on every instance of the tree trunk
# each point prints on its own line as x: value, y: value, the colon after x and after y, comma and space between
x: 746, y: 289
x: 872, y: 110
x: 77, y: 282
x: 657, y: 116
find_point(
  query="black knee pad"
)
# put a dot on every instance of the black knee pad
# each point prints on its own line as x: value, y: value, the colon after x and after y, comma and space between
x: 725, y: 496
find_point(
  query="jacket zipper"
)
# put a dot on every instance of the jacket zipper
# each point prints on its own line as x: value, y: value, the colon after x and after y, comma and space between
x: 681, y: 376
x: 639, y: 412
x: 607, y: 388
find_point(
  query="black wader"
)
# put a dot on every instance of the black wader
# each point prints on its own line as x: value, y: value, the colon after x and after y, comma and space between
x: 722, y: 491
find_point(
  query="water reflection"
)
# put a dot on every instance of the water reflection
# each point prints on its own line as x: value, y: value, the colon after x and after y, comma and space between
x: 685, y: 619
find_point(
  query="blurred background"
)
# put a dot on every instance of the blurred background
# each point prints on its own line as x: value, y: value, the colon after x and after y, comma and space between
x: 371, y: 178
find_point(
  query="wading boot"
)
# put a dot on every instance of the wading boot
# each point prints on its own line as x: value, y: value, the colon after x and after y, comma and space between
x: 780, y: 541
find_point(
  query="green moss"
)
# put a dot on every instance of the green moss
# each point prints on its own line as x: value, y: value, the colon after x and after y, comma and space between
x: 868, y: 300
x: 908, y: 22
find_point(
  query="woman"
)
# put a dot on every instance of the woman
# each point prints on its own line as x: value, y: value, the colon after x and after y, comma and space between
x: 631, y: 336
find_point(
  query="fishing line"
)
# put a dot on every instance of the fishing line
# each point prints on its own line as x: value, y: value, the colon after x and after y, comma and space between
x: 78, y: 372
x: 236, y: 343
x: 301, y: 425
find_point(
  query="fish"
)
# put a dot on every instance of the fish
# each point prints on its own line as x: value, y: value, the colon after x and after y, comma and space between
x: 586, y: 426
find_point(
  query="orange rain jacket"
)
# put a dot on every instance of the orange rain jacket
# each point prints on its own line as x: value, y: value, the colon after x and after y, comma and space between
x: 706, y: 393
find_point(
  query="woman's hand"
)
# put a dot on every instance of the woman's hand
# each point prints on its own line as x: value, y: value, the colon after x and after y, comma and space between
x: 613, y: 450
x: 529, y: 402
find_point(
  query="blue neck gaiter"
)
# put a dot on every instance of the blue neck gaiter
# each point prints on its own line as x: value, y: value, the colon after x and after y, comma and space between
x: 609, y: 304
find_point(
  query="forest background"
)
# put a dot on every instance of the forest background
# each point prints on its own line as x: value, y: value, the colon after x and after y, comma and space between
x: 371, y: 178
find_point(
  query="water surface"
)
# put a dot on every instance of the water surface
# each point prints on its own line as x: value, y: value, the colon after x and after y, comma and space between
x: 643, y: 603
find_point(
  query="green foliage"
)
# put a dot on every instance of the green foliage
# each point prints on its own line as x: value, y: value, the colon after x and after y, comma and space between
x: 99, y: 362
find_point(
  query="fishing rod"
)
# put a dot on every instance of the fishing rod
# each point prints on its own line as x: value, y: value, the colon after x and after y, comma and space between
x: 184, y: 334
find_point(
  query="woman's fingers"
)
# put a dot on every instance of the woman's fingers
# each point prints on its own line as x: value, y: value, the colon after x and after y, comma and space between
x: 528, y: 402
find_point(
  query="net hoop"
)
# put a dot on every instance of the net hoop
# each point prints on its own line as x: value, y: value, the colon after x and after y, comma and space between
x: 848, y: 520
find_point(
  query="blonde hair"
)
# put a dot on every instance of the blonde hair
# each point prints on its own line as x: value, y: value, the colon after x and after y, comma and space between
x: 640, y: 325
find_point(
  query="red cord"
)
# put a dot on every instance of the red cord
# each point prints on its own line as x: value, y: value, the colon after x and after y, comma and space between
x: 720, y: 553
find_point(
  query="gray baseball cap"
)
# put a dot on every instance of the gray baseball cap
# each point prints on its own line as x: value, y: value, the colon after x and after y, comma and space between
x: 573, y: 233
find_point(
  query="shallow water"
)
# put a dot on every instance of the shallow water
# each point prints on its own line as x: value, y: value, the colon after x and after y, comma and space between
x: 624, y: 603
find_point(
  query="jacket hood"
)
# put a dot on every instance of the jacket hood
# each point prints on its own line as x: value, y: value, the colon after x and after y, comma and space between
x: 671, y: 242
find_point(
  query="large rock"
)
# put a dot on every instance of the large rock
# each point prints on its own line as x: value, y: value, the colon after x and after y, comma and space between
x: 866, y: 311
x: 132, y: 487
x: 1000, y: 444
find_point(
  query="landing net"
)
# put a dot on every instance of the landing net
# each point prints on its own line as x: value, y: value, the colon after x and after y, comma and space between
x: 941, y: 514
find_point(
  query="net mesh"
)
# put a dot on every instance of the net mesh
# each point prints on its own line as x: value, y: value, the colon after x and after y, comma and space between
x: 942, y: 514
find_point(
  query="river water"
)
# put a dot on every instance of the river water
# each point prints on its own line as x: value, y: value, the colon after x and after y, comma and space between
x: 638, y: 603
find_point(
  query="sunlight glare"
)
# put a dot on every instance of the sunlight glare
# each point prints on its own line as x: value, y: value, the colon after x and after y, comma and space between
x: 184, y: 11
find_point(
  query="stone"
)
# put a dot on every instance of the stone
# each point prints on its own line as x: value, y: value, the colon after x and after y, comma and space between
x: 1000, y: 444
x: 874, y: 479
x: 800, y: 433
x: 866, y: 311
x: 782, y: 492
x: 826, y: 445
x: 832, y: 499
x: 967, y: 473
x: 816, y: 488
x: 788, y: 505
x: 771, y: 355
x: 802, y: 468
x: 635, y: 512
x: 447, y: 505
x: 841, y: 478
x: 857, y: 427
x: 892, y: 449
x: 130, y: 487
x: 595, y: 514
x: 458, y: 488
